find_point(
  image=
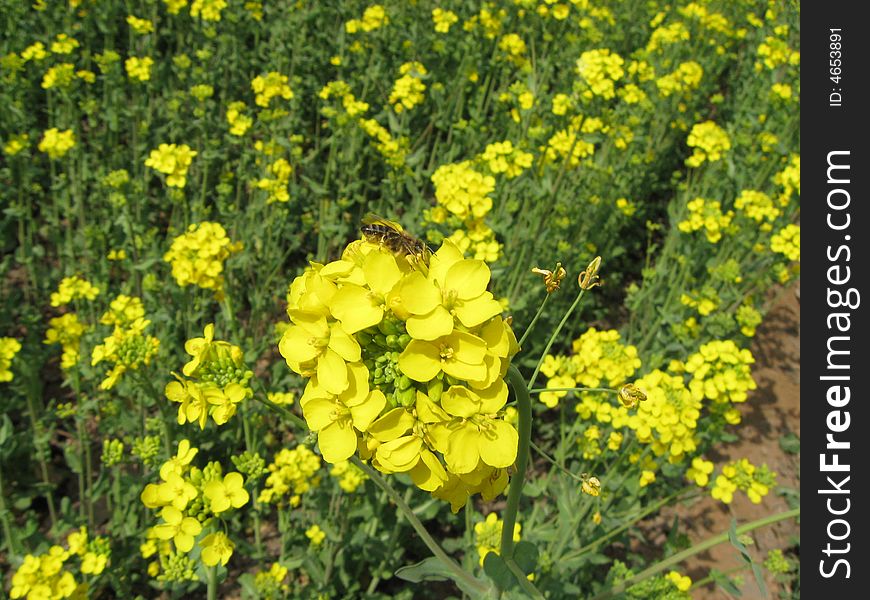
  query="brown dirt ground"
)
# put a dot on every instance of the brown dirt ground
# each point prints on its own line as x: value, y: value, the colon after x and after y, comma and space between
x: 771, y: 412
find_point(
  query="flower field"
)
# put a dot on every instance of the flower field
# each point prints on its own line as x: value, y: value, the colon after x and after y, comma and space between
x: 404, y: 300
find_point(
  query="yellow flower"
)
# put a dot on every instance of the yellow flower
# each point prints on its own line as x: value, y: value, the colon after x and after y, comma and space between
x: 710, y: 142
x: 216, y: 548
x: 315, y: 534
x: 271, y: 85
x: 207, y: 10
x: 178, y: 528
x: 9, y: 347
x: 172, y: 160
x: 487, y: 535
x: 443, y: 19
x: 64, y: 44
x: 139, y: 69
x: 140, y: 26
x: 57, y: 143
x: 225, y: 494
x: 683, y: 582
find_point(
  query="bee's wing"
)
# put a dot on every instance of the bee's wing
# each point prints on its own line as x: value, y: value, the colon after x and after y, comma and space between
x: 373, y: 219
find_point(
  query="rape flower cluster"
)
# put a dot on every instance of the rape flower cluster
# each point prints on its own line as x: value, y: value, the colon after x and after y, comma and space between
x: 487, y: 535
x: 668, y: 419
x: 350, y: 477
x: 721, y: 372
x: 139, y: 69
x: 239, y: 122
x: 374, y: 17
x: 443, y: 19
x: 207, y: 10
x: 73, y: 288
x: 215, y: 381
x: 67, y: 331
x: 742, y: 475
x: 600, y: 69
x: 128, y: 347
x: 758, y: 206
x: 291, y: 474
x: 198, y: 256
x: 708, y: 141
x: 9, y: 347
x: 173, y: 160
x: 685, y: 78
x: 271, y: 585
x: 271, y: 85
x: 748, y: 318
x: 276, y: 183
x: 57, y: 143
x: 408, y: 89
x: 599, y: 359
x: 503, y: 157
x: 787, y: 241
x: 189, y: 499
x: 706, y: 215
x: 406, y: 360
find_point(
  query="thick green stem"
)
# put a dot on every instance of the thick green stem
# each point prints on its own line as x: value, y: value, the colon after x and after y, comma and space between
x: 524, y: 411
x: 696, y: 549
x: 430, y: 542
x: 212, y: 583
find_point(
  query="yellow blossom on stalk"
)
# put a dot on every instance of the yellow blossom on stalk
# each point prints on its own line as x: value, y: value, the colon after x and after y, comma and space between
x: 666, y: 35
x: 276, y: 185
x: 683, y: 582
x: 515, y: 49
x: 487, y: 535
x: 502, y: 157
x: 208, y: 10
x: 669, y: 417
x: 226, y: 494
x: 67, y: 331
x: 140, y: 26
x: 9, y: 347
x: 789, y: 179
x: 706, y: 215
x: 35, y: 51
x: 216, y: 548
x: 270, y: 584
x: 58, y: 76
x: 73, y: 288
x: 646, y: 477
x: 566, y: 142
x: 374, y: 17
x: 64, y: 44
x: 123, y: 310
x: 197, y: 256
x: 408, y: 89
x: 462, y: 190
x: 443, y: 19
x: 405, y: 361
x: 291, y: 474
x: 720, y: 372
x: 57, y: 143
x: 758, y: 206
x: 705, y: 301
x: 787, y: 241
x: 685, y: 78
x: 173, y: 7
x: 562, y: 103
x: 271, y: 85
x: 600, y: 69
x: 281, y: 398
x: 173, y: 160
x: 218, y: 381
x: 239, y: 122
x: 139, y: 69
x: 742, y: 475
x: 127, y: 348
x: 394, y: 150
x: 709, y: 141
x: 315, y: 534
x: 47, y: 576
x: 700, y: 471
x: 350, y: 477
x: 478, y: 240
x: 748, y: 318
x: 15, y: 144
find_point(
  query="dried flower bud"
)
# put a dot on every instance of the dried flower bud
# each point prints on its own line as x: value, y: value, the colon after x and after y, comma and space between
x: 630, y: 395
x: 552, y: 279
x: 588, y: 279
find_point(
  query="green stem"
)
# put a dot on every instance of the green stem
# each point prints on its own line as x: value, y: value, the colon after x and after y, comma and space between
x: 11, y: 541
x: 460, y: 574
x: 573, y: 389
x: 524, y: 410
x: 282, y: 411
x: 212, y: 583
x: 534, y: 320
x: 696, y: 549
x: 553, y: 338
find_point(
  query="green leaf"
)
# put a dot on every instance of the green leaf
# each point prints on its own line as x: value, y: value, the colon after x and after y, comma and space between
x: 497, y: 570
x: 430, y: 569
x: 526, y: 556
x: 790, y: 444
x: 725, y: 582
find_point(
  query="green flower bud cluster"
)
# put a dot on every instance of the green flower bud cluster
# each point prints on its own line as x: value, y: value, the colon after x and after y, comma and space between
x: 113, y: 452
x: 147, y: 448
x: 178, y: 568
x: 223, y: 371
x: 250, y: 464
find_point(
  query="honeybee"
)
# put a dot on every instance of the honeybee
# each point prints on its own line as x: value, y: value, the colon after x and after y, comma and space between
x: 390, y: 235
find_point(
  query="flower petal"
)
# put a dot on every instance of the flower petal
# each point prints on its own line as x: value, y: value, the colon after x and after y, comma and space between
x: 499, y: 447
x: 421, y: 361
x: 337, y: 441
x: 432, y: 326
